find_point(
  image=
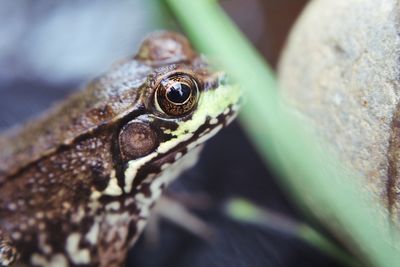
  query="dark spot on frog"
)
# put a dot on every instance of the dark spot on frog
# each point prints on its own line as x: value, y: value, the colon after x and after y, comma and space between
x: 145, y: 189
x: 100, y: 179
x: 166, y: 125
x: 105, y: 199
x: 101, y: 113
x: 82, y: 193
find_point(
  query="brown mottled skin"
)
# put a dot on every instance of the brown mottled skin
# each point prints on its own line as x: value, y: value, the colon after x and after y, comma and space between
x: 50, y: 168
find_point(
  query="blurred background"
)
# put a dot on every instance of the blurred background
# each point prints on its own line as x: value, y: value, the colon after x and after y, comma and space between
x: 48, y: 49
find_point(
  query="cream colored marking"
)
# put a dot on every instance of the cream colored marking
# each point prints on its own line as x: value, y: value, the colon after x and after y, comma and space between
x: 206, y: 131
x: 112, y: 188
x: 140, y: 198
x: 95, y: 195
x: 235, y: 107
x: 113, y: 206
x: 144, y: 203
x: 176, y: 168
x: 43, y: 244
x: 139, y: 226
x: 114, y: 232
x: 116, y: 226
x: 205, y: 137
x: 57, y: 260
x: 178, y: 156
x: 155, y: 192
x: 7, y: 262
x: 186, y: 162
x: 78, y: 216
x: 133, y: 167
x: 114, y: 218
x: 213, y: 121
x: 94, y: 206
x: 129, y: 201
x: 93, y: 234
x: 77, y: 255
x: 165, y: 165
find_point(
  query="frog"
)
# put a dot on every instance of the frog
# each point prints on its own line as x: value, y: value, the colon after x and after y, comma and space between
x: 77, y: 184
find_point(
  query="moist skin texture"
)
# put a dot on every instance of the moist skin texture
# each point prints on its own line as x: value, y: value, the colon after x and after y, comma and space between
x: 340, y: 73
x: 77, y: 184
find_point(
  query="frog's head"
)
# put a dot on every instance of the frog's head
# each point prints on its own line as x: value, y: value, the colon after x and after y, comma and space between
x: 183, y: 103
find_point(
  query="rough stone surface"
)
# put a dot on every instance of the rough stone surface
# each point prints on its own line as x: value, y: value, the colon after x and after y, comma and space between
x: 341, y: 71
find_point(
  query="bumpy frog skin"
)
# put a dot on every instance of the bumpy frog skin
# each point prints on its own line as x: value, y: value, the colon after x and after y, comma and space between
x: 77, y: 185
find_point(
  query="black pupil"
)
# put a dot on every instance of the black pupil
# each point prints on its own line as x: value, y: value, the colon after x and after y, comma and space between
x: 178, y: 93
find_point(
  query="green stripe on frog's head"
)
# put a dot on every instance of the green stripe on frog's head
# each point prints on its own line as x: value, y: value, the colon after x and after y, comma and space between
x: 184, y: 103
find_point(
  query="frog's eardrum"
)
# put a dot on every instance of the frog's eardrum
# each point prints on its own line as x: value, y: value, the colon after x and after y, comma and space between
x: 341, y: 72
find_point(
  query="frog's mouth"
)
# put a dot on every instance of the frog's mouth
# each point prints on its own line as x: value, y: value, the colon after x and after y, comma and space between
x: 206, y: 131
x: 163, y: 159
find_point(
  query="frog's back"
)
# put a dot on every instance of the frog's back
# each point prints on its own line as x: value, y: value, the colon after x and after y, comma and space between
x: 55, y: 195
x: 105, y: 100
x: 50, y: 168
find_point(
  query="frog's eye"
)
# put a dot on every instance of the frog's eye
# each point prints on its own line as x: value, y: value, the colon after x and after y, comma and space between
x: 177, y: 94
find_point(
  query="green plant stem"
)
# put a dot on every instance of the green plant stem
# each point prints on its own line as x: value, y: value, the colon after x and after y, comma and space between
x: 245, y: 211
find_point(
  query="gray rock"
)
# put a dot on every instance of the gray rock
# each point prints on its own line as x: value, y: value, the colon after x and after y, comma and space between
x: 341, y: 72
